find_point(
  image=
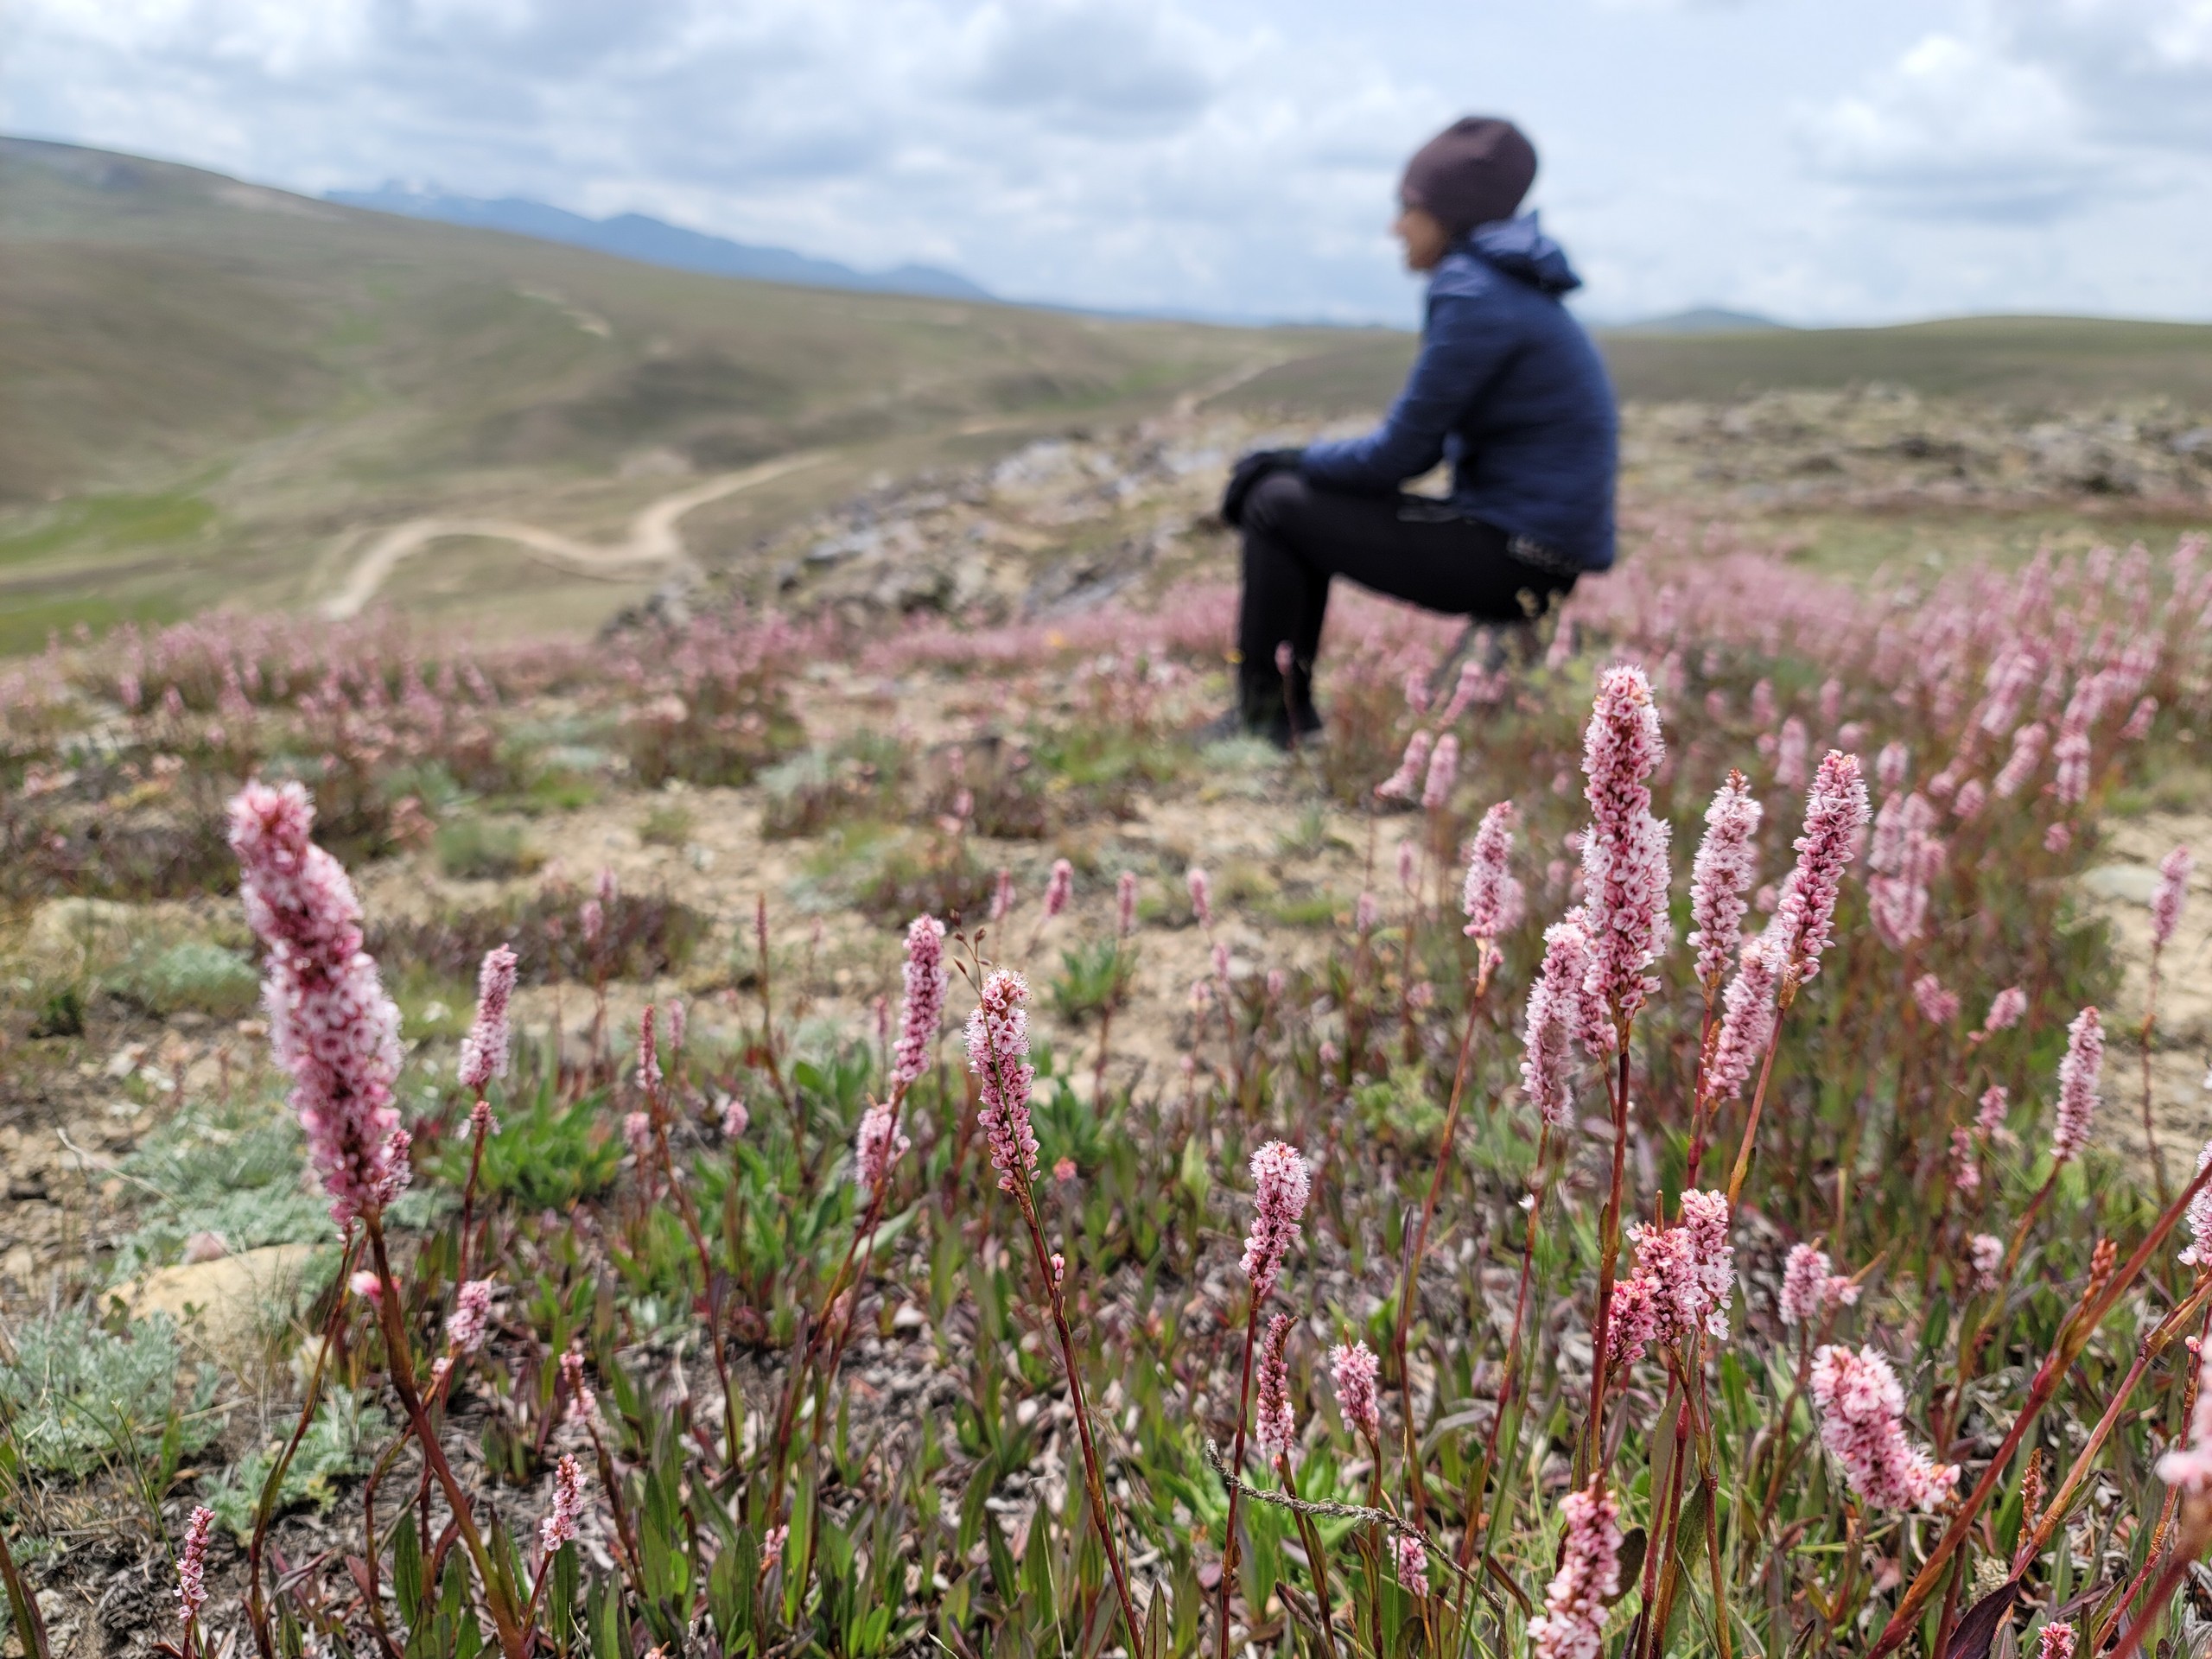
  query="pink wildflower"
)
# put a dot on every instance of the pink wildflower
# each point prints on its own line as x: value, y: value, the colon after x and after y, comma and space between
x: 1443, y: 772
x: 1632, y: 1326
x: 638, y: 1135
x: 471, y: 1312
x: 1746, y: 1019
x: 583, y: 1405
x: 591, y: 918
x: 1280, y: 1181
x: 1835, y: 812
x: 772, y: 1547
x: 1125, y: 903
x: 879, y: 1144
x: 192, y: 1566
x: 1624, y: 854
x: 1201, y: 896
x: 676, y: 1025
x: 1491, y: 898
x: 1554, y: 1015
x: 1937, y: 1005
x: 1365, y: 913
x: 330, y: 1024
x: 484, y: 1051
x: 998, y: 1053
x: 2058, y: 838
x: 1972, y: 796
x: 1811, y: 1287
x: 1412, y: 770
x: 2021, y: 764
x: 2069, y: 766
x: 1861, y: 1411
x: 364, y: 1283
x: 648, y: 1053
x: 1412, y: 1564
x: 558, y: 1528
x: 1722, y: 875
x: 1058, y: 888
x: 2055, y: 1641
x: 2005, y: 1010
x: 1276, y: 1427
x: 2139, y: 722
x: 1996, y: 1101
x: 1791, y: 762
x: 2190, y: 1468
x: 2199, y: 1217
x: 1892, y: 767
x: 1573, y: 1622
x: 1001, y: 895
x: 735, y: 1118
x: 2077, y: 1085
x: 1987, y: 1252
x: 925, y: 981
x: 1353, y: 1368
x: 2173, y: 890
x: 1966, y: 1172
x: 1691, y: 1268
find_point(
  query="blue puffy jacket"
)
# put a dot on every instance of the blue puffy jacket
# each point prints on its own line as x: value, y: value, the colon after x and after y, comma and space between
x: 1508, y: 388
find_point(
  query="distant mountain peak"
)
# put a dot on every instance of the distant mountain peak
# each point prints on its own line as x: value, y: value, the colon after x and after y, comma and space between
x: 654, y: 242
x: 1703, y: 320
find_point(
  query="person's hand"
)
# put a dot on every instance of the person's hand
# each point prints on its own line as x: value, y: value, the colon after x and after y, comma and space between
x: 1244, y: 477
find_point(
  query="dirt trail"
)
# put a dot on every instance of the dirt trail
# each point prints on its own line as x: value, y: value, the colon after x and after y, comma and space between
x: 653, y: 540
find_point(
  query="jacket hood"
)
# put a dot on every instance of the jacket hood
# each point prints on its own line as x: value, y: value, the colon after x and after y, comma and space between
x: 1519, y: 248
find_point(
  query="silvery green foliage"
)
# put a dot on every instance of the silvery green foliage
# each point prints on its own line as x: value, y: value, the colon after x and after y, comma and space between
x: 347, y: 1428
x: 77, y: 1397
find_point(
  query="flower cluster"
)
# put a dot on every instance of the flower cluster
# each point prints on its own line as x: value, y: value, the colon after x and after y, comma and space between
x: 559, y: 1527
x: 877, y: 1145
x: 998, y: 1054
x: 925, y: 983
x: 2077, y: 1085
x: 1554, y: 1018
x: 1835, y: 812
x: 1573, y: 1624
x: 1624, y: 871
x: 1726, y: 864
x: 484, y: 1051
x: 1747, y: 1019
x: 1861, y: 1411
x: 1280, y: 1182
x: 1684, y: 1278
x: 192, y: 1566
x: 330, y: 1023
x: 1492, y: 897
x: 1276, y: 1426
x: 1811, y: 1287
x: 472, y: 1311
x: 1353, y: 1368
x: 2171, y: 892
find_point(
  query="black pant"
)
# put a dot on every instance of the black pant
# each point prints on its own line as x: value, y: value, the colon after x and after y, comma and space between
x: 1410, y: 546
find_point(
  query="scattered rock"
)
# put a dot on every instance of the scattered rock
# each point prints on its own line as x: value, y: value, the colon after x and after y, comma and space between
x: 229, y: 1304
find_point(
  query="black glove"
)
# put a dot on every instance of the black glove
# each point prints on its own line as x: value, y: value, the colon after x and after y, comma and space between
x: 1244, y: 477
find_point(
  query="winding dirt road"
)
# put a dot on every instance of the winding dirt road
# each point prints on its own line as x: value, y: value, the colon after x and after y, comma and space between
x: 653, y: 541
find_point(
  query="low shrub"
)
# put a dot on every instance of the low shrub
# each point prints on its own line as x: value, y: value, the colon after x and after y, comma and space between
x: 486, y: 849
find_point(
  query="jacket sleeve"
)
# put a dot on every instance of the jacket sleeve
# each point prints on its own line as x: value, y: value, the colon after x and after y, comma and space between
x: 1464, y: 344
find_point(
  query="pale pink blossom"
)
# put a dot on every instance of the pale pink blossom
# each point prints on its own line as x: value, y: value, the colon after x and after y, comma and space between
x: 1624, y: 854
x: 1972, y: 796
x: 2199, y: 1251
x: 735, y: 1118
x: 1201, y: 896
x: 1747, y: 1019
x: 591, y: 919
x: 1966, y: 1171
x: 1491, y: 898
x: 1412, y: 769
x: 925, y: 981
x: 1408, y: 866
x: 1366, y: 911
x: 1280, y: 1182
x: 1125, y: 904
x: 583, y: 1405
x: 1353, y: 1368
x: 1690, y: 1267
x: 1443, y: 772
x: 1056, y: 889
x: 1811, y: 1287
x: 1996, y: 1103
x: 676, y: 1025
x: 2172, y: 892
x: 1987, y: 1253
x: 2058, y: 837
x: 2069, y: 767
x: 559, y: 1527
x: 1555, y: 1016
x: 1632, y: 1323
x: 1892, y: 767
x: 1274, y: 1423
x: 772, y: 1547
x: 638, y: 1135
x: 1861, y: 1409
x: 2191, y: 1467
x: 1722, y: 875
x: 998, y: 1054
x: 878, y: 1144
x: 192, y: 1566
x: 649, y: 1078
x: 2138, y: 721
x: 484, y: 1051
x: 1937, y: 1005
x: 2005, y: 1010
x: 330, y: 1024
x: 2055, y: 1641
x: 1001, y: 895
x: 1835, y: 812
x: 1412, y: 1564
x: 2020, y: 766
x: 466, y: 1326
x: 1791, y: 761
x: 363, y: 1282
x: 1572, y: 1625
x: 2077, y: 1085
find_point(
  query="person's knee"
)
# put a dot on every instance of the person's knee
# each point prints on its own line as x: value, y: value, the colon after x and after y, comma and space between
x: 1276, y: 501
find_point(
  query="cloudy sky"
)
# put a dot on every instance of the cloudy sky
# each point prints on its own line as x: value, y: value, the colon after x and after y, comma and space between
x: 1818, y: 160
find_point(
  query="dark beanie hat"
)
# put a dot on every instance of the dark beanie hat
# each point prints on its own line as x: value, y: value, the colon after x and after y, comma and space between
x: 1475, y: 170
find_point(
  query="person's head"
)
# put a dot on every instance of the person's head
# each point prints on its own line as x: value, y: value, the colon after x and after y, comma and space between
x: 1476, y: 170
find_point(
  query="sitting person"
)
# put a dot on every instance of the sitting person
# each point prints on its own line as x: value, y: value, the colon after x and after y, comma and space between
x: 1508, y: 387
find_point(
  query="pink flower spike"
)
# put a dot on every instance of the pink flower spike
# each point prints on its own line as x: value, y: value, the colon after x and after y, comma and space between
x: 2172, y: 892
x: 925, y: 983
x: 330, y: 1024
x: 1835, y: 812
x: 2077, y: 1085
x: 1443, y: 772
x: 1861, y: 1409
x: 2005, y: 1010
x: 191, y: 1566
x: 1987, y: 1253
x: 998, y: 1054
x: 1725, y: 866
x: 583, y: 1405
x: 1573, y: 1622
x: 2055, y: 1641
x: 1201, y: 896
x: 735, y: 1118
x: 1937, y: 1005
x: 877, y: 1145
x: 1746, y: 1021
x: 1554, y: 1020
x: 2199, y: 1217
x: 1001, y: 895
x: 363, y: 1282
x: 558, y: 1528
x: 1125, y: 904
x: 1413, y: 1565
x: 638, y: 1135
x: 2190, y: 1468
x: 1996, y: 1103
x: 1353, y: 1368
x: 1412, y: 770
x: 648, y: 1053
x: 1058, y: 888
x: 1804, y: 1276
x: 1491, y: 898
x: 484, y: 1051
x: 1273, y: 1425
x: 1280, y: 1182
x: 472, y: 1311
x: 1625, y: 869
